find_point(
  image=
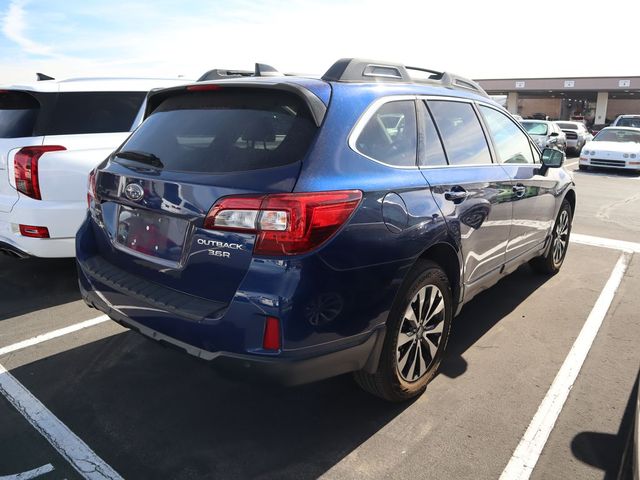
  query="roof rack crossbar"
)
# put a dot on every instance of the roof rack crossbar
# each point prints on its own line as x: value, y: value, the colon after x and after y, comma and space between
x: 361, y: 70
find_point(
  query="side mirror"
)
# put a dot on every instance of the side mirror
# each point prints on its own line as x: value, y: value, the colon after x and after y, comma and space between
x: 551, y: 158
x: 554, y: 134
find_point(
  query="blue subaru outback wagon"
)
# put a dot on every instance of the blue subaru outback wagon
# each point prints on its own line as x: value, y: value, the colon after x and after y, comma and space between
x: 300, y: 228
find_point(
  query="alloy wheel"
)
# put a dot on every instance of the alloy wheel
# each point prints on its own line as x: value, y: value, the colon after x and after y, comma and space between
x: 420, y: 334
x: 561, y: 237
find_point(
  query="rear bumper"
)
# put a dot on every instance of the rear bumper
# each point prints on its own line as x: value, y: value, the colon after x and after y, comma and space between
x: 293, y: 369
x: 61, y: 219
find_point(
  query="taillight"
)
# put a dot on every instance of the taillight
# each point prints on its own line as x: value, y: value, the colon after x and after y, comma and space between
x: 26, y: 168
x: 91, y: 188
x: 285, y: 223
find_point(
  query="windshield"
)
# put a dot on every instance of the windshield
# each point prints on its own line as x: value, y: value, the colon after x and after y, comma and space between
x: 568, y: 126
x: 535, y: 128
x: 629, y: 122
x: 18, y: 114
x: 617, y: 135
x: 228, y: 131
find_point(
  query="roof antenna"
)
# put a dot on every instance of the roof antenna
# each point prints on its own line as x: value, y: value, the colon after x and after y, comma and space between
x: 42, y: 77
x: 264, y: 70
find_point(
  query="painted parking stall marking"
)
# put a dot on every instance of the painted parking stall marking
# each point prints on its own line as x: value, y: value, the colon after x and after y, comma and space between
x: 53, y: 334
x: 526, y: 455
x: 71, y: 447
x: 35, y: 473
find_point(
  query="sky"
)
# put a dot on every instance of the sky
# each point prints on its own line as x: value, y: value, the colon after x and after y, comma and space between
x: 159, y: 38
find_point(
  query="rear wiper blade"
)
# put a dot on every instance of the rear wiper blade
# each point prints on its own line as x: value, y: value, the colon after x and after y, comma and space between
x: 142, y: 157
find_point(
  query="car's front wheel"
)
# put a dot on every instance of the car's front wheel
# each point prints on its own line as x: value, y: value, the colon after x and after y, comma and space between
x: 552, y: 260
x: 417, y: 331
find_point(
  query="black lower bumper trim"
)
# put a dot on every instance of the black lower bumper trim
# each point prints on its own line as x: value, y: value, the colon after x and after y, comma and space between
x: 12, y: 251
x: 283, y: 370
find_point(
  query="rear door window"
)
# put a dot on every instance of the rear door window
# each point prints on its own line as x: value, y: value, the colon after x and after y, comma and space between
x: 390, y: 135
x: 431, y: 151
x: 18, y: 114
x: 232, y: 130
x: 511, y: 144
x: 461, y: 133
x: 93, y: 112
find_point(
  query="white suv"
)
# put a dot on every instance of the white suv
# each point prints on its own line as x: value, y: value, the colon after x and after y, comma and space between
x: 52, y: 134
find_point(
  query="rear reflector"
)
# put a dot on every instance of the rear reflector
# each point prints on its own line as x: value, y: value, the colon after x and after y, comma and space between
x: 271, y: 340
x: 286, y: 223
x: 26, y: 169
x: 33, y: 231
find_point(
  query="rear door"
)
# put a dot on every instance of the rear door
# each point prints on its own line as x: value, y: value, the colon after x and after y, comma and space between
x: 533, y: 199
x: 201, y: 146
x: 474, y: 193
x: 19, y: 112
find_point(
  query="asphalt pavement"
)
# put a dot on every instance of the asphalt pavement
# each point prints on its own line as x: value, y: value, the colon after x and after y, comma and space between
x: 150, y: 412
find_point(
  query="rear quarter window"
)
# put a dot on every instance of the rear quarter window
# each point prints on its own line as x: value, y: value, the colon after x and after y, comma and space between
x: 18, y: 114
x: 232, y: 130
x: 390, y: 135
x: 92, y: 112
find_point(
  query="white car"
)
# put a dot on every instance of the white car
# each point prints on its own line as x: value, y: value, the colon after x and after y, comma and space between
x: 612, y: 147
x: 627, y: 121
x: 52, y: 134
x: 577, y: 134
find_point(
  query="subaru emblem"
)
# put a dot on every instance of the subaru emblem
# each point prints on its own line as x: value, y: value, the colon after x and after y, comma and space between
x: 134, y: 192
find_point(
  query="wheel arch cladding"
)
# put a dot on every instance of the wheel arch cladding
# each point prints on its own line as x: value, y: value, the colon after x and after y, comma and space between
x: 448, y: 258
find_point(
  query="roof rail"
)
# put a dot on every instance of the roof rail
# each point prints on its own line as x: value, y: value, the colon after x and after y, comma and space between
x: 261, y: 70
x: 361, y: 70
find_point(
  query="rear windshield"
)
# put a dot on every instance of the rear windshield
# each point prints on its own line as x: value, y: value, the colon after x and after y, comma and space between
x: 629, y: 122
x: 535, y: 128
x: 93, y: 112
x: 18, y: 114
x: 225, y: 131
x: 568, y: 126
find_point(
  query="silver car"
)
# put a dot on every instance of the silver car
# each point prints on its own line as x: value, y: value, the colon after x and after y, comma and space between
x: 546, y: 134
x: 577, y: 134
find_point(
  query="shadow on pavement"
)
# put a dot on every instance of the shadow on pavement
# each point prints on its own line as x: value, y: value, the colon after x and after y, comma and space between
x: 611, y: 453
x: 35, y: 284
x: 152, y: 412
x: 485, y: 311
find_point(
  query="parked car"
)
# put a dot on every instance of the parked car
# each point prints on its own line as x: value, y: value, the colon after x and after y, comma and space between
x: 627, y: 121
x: 546, y: 134
x: 52, y: 133
x: 283, y: 226
x: 612, y: 147
x: 576, y: 133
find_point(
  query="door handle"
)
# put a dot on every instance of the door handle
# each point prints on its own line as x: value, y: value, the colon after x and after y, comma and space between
x: 457, y: 194
x: 519, y: 190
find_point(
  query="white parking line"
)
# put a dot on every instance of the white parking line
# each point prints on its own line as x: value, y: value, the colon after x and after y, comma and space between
x: 528, y: 451
x: 625, y: 246
x: 71, y: 447
x: 572, y: 163
x: 36, y: 472
x: 53, y: 334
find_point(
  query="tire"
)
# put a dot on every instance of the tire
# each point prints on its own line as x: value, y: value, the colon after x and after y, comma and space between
x: 584, y: 168
x: 407, y: 364
x: 551, y: 262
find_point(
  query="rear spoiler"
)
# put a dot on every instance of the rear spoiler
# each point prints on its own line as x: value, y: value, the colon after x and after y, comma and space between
x: 316, y: 107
